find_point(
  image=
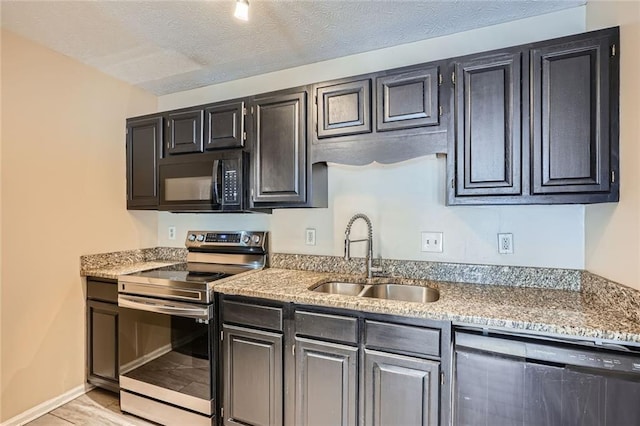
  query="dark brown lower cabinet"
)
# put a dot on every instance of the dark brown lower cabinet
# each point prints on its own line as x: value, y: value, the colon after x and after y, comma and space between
x: 294, y: 365
x: 400, y: 390
x: 326, y: 383
x: 252, y: 382
x: 102, y: 334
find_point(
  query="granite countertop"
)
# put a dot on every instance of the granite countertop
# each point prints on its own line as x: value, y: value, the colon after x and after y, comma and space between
x: 112, y: 271
x: 538, y: 310
x: 110, y: 265
x: 536, y: 300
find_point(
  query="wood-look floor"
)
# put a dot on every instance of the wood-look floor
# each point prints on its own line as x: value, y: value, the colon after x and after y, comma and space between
x: 97, y: 407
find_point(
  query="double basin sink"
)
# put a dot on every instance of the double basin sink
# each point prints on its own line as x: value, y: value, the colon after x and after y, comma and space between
x: 388, y: 291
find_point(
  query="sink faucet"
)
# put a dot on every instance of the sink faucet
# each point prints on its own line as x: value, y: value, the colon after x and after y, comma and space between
x: 369, y: 240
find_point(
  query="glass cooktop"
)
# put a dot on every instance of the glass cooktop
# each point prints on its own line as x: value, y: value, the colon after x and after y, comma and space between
x: 183, y: 272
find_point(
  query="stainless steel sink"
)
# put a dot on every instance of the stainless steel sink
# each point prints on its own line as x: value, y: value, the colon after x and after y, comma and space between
x: 348, y: 289
x: 389, y: 291
x: 407, y: 293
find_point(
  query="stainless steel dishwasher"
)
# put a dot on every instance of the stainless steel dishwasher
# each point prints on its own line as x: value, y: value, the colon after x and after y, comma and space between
x: 502, y: 379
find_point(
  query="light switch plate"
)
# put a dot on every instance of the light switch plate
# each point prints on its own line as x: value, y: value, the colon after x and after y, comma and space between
x: 432, y: 242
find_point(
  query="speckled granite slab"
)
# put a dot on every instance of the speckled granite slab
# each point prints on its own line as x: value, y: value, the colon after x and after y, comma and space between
x: 540, y: 300
x: 514, y: 276
x: 539, y: 310
x: 110, y: 265
x: 605, y: 294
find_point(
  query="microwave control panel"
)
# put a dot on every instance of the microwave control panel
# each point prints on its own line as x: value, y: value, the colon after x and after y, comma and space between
x: 231, y: 182
x: 231, y: 187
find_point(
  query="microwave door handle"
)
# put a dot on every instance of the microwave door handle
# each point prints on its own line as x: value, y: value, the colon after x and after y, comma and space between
x: 215, y: 196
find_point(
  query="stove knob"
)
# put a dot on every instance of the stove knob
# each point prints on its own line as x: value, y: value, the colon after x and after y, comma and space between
x: 200, y: 238
x: 245, y: 239
x: 192, y: 237
x: 255, y: 238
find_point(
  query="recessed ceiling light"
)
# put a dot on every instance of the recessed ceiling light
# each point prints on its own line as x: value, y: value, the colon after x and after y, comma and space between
x: 242, y: 10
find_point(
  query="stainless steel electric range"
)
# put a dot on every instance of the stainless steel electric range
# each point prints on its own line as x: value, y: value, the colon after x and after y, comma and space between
x: 167, y: 346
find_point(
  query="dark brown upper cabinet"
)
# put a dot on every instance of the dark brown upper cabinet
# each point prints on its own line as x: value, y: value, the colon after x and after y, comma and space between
x: 184, y: 132
x: 571, y: 141
x: 344, y: 109
x: 144, y: 139
x: 282, y: 175
x: 537, y: 124
x: 487, y: 126
x: 388, y: 116
x: 407, y: 99
x: 224, y: 125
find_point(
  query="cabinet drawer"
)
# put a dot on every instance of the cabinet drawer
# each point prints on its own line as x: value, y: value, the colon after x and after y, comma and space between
x: 267, y: 317
x: 102, y: 290
x: 324, y: 326
x: 402, y: 338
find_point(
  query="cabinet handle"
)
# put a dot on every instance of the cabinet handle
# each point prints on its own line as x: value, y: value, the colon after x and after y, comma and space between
x: 293, y: 350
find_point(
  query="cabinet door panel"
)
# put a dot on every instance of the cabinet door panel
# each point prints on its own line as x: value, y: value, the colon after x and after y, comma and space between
x: 224, y: 126
x: 103, y: 340
x: 253, y: 382
x: 144, y: 137
x: 326, y: 382
x: 488, y: 130
x: 280, y: 149
x: 400, y: 390
x: 344, y: 109
x: 408, y: 99
x: 184, y: 132
x: 571, y: 143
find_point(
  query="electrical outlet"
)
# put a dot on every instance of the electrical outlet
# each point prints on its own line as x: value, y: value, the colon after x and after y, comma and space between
x: 310, y: 237
x: 432, y: 241
x: 171, y: 232
x: 505, y: 243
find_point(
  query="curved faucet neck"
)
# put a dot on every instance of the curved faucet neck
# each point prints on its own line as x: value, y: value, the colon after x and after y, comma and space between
x: 369, y: 240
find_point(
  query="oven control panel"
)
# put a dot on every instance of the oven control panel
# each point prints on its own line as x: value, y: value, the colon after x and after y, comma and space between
x: 204, y: 239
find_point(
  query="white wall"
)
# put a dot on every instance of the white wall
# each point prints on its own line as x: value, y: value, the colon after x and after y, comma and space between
x: 406, y: 198
x: 613, y: 230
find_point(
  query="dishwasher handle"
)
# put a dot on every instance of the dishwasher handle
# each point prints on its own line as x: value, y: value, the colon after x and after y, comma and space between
x: 204, y: 313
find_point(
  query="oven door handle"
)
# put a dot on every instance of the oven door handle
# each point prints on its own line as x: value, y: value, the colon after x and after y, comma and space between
x: 150, y: 305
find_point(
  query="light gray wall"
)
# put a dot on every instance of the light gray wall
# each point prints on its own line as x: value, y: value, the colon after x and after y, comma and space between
x: 406, y: 198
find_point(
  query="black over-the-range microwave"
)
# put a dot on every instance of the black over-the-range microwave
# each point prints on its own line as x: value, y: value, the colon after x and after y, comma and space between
x: 216, y: 181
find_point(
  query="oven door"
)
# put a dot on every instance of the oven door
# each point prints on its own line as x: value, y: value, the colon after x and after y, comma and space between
x: 206, y: 182
x: 166, y: 351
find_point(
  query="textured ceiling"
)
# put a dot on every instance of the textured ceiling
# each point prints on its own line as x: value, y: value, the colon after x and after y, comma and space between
x: 170, y: 46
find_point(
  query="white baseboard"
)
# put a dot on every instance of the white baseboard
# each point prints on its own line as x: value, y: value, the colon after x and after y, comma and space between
x: 45, y: 407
